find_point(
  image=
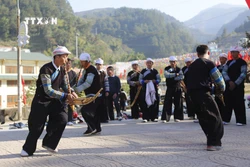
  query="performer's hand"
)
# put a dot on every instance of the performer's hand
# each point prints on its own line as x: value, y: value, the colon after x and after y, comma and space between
x: 70, y: 99
x: 107, y: 94
x: 154, y: 81
x: 231, y: 85
x: 75, y: 95
x: 114, y: 96
x: 146, y: 81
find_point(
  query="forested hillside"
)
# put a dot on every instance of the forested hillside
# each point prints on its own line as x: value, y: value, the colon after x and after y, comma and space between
x: 45, y: 37
x: 147, y: 31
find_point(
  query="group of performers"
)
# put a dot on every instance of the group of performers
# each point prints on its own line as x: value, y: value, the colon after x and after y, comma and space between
x: 199, y: 79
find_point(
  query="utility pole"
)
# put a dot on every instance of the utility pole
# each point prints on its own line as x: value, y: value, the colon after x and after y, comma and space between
x: 19, y: 68
x: 77, y: 34
x: 23, y: 39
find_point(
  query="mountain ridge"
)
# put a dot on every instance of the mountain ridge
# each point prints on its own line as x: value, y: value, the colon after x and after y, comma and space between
x: 150, y: 31
x: 207, y: 20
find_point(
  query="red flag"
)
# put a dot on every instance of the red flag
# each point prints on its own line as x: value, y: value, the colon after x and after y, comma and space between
x: 248, y: 3
x: 246, y: 57
x: 24, y: 93
x: 229, y: 56
x: 161, y: 71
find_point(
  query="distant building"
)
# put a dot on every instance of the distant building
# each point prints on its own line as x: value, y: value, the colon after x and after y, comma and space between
x: 30, y: 66
x: 243, y: 42
x: 213, y: 47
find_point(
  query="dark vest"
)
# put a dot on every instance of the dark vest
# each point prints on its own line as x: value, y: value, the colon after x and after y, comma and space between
x: 150, y: 76
x: 234, y: 69
x: 134, y: 76
x: 95, y: 86
x: 199, y: 75
x: 170, y: 82
x: 102, y: 76
x: 48, y: 69
x: 72, y: 77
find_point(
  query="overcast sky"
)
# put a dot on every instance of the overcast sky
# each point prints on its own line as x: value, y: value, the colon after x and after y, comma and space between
x: 180, y: 9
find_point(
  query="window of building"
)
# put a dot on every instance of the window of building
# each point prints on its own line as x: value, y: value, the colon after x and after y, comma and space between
x: 12, y: 100
x: 11, y: 83
x: 11, y: 69
x: 28, y: 69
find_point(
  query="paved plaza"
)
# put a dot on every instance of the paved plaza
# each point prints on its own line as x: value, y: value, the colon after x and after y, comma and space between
x: 130, y: 143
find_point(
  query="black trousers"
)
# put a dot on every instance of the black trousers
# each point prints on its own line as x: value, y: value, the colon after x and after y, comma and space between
x: 91, y: 116
x: 123, y: 105
x: 190, y: 105
x: 70, y: 114
x: 234, y: 100
x: 110, y: 102
x: 178, y: 105
x: 221, y: 105
x: 138, y: 103
x: 151, y: 112
x: 37, y: 118
x: 102, y: 110
x: 209, y: 116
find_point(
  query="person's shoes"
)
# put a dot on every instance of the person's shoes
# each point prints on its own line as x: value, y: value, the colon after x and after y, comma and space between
x: 50, y: 149
x: 119, y: 118
x: 168, y: 118
x: 24, y: 153
x: 239, y: 124
x: 155, y: 120
x: 177, y: 120
x: 12, y: 119
x: 97, y: 132
x: 164, y: 121
x: 214, y: 148
x: 89, y: 132
x: 145, y: 121
x: 225, y: 123
x: 196, y: 121
x: 70, y: 123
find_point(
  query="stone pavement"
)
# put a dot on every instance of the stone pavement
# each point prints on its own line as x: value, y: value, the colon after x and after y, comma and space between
x: 130, y: 143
